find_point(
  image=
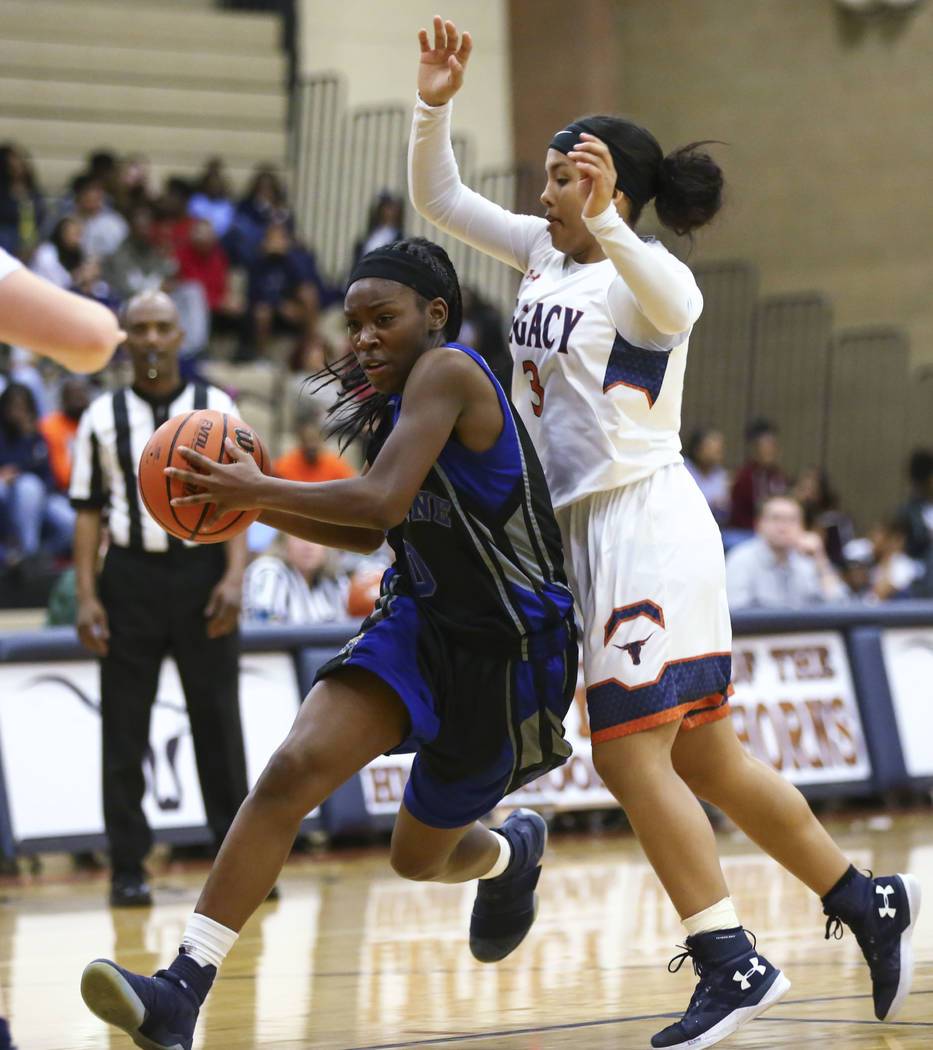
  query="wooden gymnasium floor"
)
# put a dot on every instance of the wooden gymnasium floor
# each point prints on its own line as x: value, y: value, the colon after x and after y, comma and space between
x: 353, y: 957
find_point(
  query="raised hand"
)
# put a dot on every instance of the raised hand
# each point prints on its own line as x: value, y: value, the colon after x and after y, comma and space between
x: 441, y: 69
x: 597, y: 173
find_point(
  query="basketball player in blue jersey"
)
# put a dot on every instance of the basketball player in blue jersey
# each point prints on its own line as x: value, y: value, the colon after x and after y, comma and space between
x: 469, y: 658
x: 599, y: 339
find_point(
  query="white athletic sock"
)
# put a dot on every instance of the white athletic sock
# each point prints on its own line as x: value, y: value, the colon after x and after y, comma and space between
x: 505, y: 855
x: 206, y: 941
x: 718, y: 916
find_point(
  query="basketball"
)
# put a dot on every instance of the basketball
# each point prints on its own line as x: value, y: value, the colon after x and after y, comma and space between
x: 204, y: 431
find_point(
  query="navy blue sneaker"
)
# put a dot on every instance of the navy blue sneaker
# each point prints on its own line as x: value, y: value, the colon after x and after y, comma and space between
x: 505, y: 907
x: 734, y: 987
x: 157, y: 1013
x: 882, y: 914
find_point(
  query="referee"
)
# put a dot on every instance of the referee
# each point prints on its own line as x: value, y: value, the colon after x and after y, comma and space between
x: 155, y: 596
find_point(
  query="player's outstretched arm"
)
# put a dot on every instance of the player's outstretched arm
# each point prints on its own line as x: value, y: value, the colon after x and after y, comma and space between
x: 72, y: 330
x: 441, y: 67
x: 438, y: 388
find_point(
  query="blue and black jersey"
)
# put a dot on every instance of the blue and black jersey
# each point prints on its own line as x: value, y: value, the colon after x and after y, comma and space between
x: 480, y: 547
x: 474, y: 626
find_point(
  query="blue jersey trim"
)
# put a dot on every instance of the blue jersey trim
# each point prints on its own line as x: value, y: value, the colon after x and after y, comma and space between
x: 635, y: 367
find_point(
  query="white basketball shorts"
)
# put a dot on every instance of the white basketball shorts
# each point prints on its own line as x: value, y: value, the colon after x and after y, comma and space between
x: 647, y: 568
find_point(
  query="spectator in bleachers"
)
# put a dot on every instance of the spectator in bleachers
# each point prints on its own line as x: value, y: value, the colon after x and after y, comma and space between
x: 60, y: 427
x: 263, y: 204
x: 306, y: 584
x: 285, y: 292
x: 137, y: 265
x: 782, y: 565
x: 916, y: 517
x: 133, y: 185
x: 203, y: 260
x: 881, y: 568
x: 484, y: 330
x: 87, y: 280
x: 383, y: 225
x: 21, y: 205
x: 57, y: 258
x: 104, y: 229
x: 29, y: 505
x: 857, y: 569
x: 211, y: 200
x: 23, y: 366
x: 172, y: 224
x: 103, y: 166
x: 309, y: 460
x: 63, y: 261
x: 821, y: 511
x: 703, y: 458
x: 759, y: 477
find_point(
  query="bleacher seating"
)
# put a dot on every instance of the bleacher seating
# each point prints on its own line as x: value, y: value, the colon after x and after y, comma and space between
x: 76, y: 76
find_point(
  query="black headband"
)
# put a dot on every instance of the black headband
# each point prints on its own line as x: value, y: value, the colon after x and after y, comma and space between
x: 404, y: 269
x: 636, y: 185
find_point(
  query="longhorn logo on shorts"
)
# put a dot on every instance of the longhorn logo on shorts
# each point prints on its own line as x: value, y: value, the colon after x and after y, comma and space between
x: 886, y: 911
x: 624, y: 613
x: 743, y: 978
x: 634, y: 649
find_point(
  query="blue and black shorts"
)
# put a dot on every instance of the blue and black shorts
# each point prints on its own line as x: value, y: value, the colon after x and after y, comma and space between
x: 482, y: 723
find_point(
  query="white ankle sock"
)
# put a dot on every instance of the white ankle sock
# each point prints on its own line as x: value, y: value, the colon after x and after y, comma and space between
x: 206, y: 941
x: 718, y: 916
x: 505, y: 855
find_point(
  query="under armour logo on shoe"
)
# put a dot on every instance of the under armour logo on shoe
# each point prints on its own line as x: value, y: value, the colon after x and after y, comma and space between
x: 886, y: 911
x: 743, y: 978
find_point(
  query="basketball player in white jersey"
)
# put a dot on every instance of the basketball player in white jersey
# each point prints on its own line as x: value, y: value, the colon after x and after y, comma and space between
x: 72, y: 330
x: 599, y: 340
x: 76, y: 332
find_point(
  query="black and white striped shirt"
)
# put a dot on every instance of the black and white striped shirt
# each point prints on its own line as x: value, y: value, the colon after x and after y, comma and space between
x: 109, y: 445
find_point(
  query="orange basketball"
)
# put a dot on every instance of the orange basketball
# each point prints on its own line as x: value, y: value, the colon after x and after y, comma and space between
x: 204, y: 431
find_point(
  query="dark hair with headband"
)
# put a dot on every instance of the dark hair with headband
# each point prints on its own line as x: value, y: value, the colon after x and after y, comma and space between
x: 686, y: 184
x: 418, y: 264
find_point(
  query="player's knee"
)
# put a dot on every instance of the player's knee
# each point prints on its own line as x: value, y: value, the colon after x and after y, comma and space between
x: 415, y: 867
x: 621, y: 777
x: 707, y: 780
x: 287, y: 773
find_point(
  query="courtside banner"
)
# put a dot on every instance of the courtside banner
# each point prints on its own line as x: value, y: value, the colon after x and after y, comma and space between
x: 795, y: 708
x: 574, y: 785
x: 51, y: 751
x: 908, y: 660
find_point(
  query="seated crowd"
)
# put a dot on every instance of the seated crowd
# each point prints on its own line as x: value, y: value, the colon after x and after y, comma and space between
x: 234, y: 267
x: 788, y: 542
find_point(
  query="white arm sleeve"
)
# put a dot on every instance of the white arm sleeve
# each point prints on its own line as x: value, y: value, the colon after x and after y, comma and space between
x: 664, y: 288
x: 7, y: 264
x: 438, y: 195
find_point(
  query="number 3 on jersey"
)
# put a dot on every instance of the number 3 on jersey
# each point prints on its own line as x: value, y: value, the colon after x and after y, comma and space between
x: 531, y: 370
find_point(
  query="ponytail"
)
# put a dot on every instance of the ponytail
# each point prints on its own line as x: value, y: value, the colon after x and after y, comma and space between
x: 689, y: 191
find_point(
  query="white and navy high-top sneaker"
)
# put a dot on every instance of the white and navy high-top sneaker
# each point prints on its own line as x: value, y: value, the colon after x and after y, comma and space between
x: 736, y: 984
x: 881, y: 913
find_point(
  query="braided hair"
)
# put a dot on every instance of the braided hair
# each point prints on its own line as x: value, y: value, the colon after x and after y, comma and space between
x: 359, y: 409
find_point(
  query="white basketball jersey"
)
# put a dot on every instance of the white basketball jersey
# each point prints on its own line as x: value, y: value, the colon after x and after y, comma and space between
x: 597, y: 380
x: 601, y: 402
